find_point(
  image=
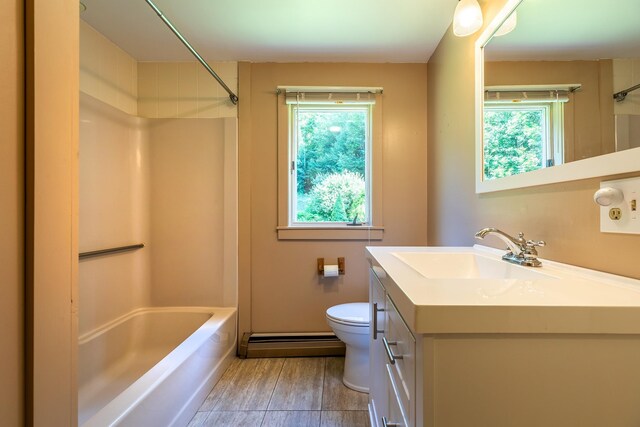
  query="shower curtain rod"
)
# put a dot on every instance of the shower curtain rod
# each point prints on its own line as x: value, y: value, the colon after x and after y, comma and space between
x: 620, y: 96
x: 232, y: 96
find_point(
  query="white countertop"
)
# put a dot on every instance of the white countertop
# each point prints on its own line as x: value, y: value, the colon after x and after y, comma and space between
x: 555, y: 298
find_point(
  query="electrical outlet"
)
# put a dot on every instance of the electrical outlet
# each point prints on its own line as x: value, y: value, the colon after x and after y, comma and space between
x: 622, y: 217
x: 615, y: 214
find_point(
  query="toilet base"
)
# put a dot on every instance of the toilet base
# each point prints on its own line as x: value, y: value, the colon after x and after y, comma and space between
x: 356, y: 369
x: 355, y: 387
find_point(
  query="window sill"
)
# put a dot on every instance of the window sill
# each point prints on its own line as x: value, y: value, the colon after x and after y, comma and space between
x: 331, y: 233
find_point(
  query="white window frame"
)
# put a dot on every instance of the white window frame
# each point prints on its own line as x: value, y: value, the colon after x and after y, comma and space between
x: 553, y: 147
x: 374, y: 230
x: 293, y: 155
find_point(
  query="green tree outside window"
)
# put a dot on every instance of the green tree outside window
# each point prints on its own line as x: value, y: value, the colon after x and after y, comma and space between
x: 331, y: 165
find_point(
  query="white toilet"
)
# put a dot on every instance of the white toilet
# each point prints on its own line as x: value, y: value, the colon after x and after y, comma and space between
x: 350, y: 322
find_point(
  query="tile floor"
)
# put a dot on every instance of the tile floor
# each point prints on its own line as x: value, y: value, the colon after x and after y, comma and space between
x: 291, y: 392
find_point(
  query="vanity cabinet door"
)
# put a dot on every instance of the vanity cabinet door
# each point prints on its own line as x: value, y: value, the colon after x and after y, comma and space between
x: 378, y: 395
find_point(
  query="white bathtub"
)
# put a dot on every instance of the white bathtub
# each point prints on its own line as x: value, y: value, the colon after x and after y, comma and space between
x: 153, y: 366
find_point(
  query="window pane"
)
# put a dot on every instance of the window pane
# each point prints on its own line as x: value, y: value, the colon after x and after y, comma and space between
x: 331, y: 165
x: 514, y: 141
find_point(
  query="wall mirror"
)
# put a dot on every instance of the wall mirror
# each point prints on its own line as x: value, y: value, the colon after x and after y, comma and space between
x: 546, y: 75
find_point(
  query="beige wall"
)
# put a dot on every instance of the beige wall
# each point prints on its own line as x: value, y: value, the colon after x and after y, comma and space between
x: 114, y: 211
x: 107, y: 72
x: 52, y: 207
x: 562, y: 214
x: 588, y: 115
x: 185, y: 90
x: 278, y: 279
x: 12, y: 214
x: 187, y: 211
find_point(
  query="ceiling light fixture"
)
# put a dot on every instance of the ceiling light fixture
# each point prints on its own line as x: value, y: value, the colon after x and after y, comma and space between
x: 467, y: 19
x: 508, y: 25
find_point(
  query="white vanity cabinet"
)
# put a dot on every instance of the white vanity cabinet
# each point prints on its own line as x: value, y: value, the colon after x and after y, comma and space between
x: 556, y: 346
x: 392, y: 359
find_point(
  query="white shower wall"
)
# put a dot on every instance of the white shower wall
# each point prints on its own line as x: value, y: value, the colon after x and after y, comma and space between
x: 187, y: 211
x: 166, y: 178
x: 114, y: 211
x: 167, y: 183
x: 626, y: 73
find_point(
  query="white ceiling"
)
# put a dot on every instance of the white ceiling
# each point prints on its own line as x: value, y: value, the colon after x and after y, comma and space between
x: 571, y: 30
x: 276, y: 30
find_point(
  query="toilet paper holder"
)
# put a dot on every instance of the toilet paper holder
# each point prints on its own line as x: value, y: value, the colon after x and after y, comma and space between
x: 340, y: 266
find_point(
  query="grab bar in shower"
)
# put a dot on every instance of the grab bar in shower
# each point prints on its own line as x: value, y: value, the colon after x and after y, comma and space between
x: 100, y: 252
x: 232, y: 96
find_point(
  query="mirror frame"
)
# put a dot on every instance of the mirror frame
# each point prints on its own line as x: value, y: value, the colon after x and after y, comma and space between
x: 603, y: 165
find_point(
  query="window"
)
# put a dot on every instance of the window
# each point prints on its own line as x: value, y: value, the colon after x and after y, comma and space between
x: 523, y: 132
x: 330, y: 150
x: 329, y: 163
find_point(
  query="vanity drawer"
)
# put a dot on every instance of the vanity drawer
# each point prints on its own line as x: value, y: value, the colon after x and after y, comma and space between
x: 396, y: 414
x: 401, y: 357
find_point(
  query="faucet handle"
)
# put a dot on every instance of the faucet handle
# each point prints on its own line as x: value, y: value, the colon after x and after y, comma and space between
x: 529, y: 251
x: 539, y: 243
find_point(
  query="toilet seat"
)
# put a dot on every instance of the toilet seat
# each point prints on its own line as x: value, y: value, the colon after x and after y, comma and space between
x: 352, y: 314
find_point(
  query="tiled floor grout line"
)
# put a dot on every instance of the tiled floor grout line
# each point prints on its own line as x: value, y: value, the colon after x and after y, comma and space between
x: 323, y: 413
x: 324, y: 377
x: 324, y: 382
x: 275, y: 384
x: 223, y: 391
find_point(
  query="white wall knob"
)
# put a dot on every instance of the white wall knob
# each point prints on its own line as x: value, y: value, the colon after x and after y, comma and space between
x: 608, y: 196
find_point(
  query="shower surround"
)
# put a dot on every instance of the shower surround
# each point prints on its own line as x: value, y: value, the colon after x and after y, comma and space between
x: 170, y: 184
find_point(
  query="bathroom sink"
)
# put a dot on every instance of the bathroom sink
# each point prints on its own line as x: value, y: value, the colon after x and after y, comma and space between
x: 472, y: 290
x: 457, y: 265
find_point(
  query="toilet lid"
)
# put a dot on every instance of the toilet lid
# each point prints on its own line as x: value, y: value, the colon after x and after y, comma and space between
x: 356, y: 313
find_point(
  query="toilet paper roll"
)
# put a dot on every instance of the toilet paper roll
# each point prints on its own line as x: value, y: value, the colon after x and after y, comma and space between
x: 331, y: 271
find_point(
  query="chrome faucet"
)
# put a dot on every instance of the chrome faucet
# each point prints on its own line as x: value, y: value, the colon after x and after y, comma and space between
x: 521, y: 251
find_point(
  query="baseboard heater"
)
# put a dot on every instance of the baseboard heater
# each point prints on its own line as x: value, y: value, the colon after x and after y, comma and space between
x: 290, y: 345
